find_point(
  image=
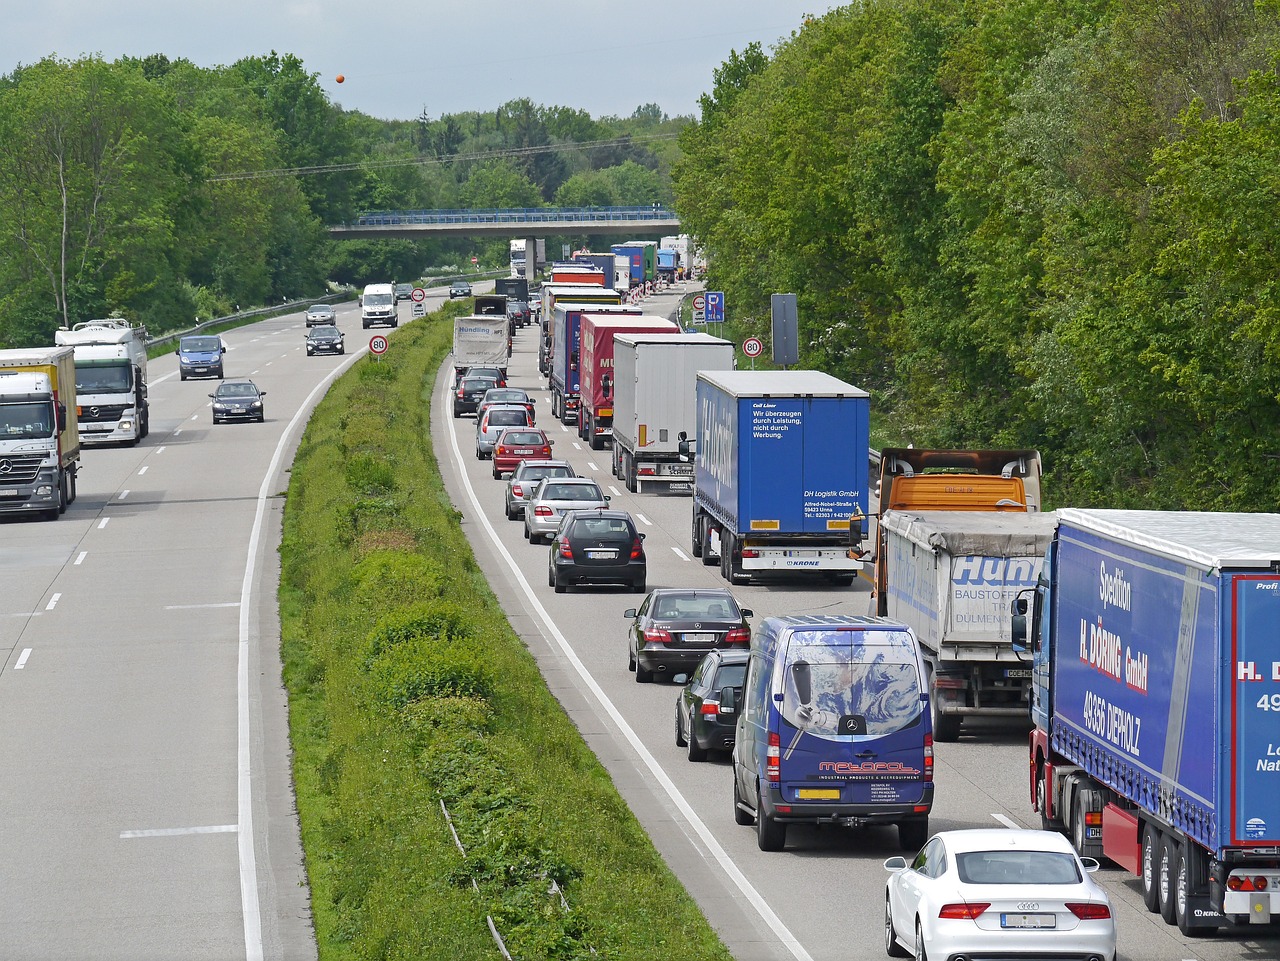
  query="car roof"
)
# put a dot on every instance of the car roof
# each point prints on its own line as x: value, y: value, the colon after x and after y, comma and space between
x: 500, y: 406
x: 1004, y: 839
x: 605, y: 512
x: 733, y: 656
x: 230, y: 382
x: 691, y: 591
x: 573, y: 480
x: 545, y: 462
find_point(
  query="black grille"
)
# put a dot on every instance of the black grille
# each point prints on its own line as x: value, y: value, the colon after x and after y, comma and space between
x: 18, y: 470
x: 103, y: 414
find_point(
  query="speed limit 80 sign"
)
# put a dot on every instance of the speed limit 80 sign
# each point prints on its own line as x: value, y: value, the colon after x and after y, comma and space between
x: 753, y: 347
x: 378, y: 344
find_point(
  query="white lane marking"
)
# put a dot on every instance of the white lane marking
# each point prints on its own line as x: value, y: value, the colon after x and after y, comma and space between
x: 160, y: 449
x: 592, y: 466
x: 177, y: 832
x: 1006, y: 821
x: 255, y: 371
x: 645, y: 519
x: 197, y: 416
x: 143, y: 469
x: 614, y: 491
x: 53, y: 602
x: 714, y: 848
x: 123, y: 495
x: 26, y: 613
x: 22, y: 659
x: 103, y: 523
x: 680, y: 554
x: 199, y: 607
x: 577, y: 446
x: 82, y: 556
x: 269, y: 363
x: 564, y: 428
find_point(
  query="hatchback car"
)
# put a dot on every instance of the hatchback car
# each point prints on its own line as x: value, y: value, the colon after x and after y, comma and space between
x: 507, y: 395
x: 497, y: 373
x: 495, y: 419
x: 238, y: 400
x: 556, y: 496
x: 517, y: 443
x: 325, y: 340
x: 404, y: 291
x: 675, y: 627
x: 526, y: 476
x: 996, y: 892
x: 318, y: 314
x: 707, y: 708
x: 470, y: 390
x: 597, y: 547
x: 459, y: 288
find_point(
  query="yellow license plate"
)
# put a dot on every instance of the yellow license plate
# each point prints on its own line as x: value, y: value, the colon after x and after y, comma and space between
x: 818, y: 794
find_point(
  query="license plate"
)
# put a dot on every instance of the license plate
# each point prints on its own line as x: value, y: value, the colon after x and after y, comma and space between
x: 9, y: 492
x: 1028, y: 921
x: 1017, y: 672
x: 602, y: 555
x: 523, y: 450
x: 818, y: 794
x: 680, y: 469
x: 699, y: 638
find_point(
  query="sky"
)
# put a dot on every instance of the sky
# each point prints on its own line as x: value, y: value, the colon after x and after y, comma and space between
x: 399, y: 57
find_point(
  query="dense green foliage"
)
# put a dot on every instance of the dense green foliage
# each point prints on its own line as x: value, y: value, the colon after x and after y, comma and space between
x: 1025, y: 223
x: 162, y: 192
x: 409, y: 690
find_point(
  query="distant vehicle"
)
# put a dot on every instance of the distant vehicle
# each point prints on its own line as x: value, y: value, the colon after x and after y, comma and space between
x: 481, y: 342
x: 707, y: 708
x: 325, y: 340
x: 594, y: 547
x: 378, y: 306
x: 507, y: 395
x: 556, y: 496
x: 238, y: 400
x: 496, y: 419
x: 497, y: 374
x: 39, y: 435
x: 515, y: 444
x: 995, y: 892
x: 404, y: 291
x: 200, y: 356
x: 526, y: 476
x: 112, y: 404
x: 518, y: 312
x: 459, y: 288
x: 318, y: 314
x: 470, y: 390
x: 675, y: 627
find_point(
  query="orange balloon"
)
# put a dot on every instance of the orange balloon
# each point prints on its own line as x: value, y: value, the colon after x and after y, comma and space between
x: 340, y: 78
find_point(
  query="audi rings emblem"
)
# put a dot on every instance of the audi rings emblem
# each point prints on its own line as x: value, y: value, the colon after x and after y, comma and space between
x: 1028, y: 905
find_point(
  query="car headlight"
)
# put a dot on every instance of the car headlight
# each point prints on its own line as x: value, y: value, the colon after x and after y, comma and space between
x: 256, y: 403
x: 217, y: 406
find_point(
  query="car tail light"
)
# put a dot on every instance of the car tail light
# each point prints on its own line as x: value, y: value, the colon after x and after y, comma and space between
x: 1089, y: 910
x: 656, y: 635
x: 462, y: 393
x: 517, y: 490
x: 502, y: 450
x: 637, y: 550
x: 928, y: 757
x: 710, y: 708
x: 739, y: 635
x: 542, y: 510
x: 962, y: 910
x: 1240, y: 882
x: 772, y: 765
x: 565, y: 549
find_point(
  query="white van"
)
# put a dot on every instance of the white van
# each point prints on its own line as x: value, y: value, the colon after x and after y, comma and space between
x: 378, y: 306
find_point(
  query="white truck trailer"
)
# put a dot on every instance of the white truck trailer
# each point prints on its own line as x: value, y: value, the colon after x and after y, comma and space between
x: 951, y: 576
x: 655, y: 403
x: 111, y: 380
x: 480, y: 341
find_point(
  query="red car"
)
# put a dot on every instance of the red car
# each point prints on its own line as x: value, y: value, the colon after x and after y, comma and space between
x: 516, y: 444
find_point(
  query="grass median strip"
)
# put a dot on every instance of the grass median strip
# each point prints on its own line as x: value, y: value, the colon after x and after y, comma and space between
x: 408, y: 688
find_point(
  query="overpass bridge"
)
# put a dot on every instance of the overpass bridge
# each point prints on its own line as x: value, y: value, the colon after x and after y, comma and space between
x: 526, y: 222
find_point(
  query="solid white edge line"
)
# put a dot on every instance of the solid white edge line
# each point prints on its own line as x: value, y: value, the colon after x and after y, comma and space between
x: 717, y: 852
x: 1006, y: 821
x: 244, y: 788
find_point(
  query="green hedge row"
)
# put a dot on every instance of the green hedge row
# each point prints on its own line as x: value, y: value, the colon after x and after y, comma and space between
x: 410, y: 695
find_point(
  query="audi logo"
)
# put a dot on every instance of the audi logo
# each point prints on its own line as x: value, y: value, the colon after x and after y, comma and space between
x: 1028, y: 905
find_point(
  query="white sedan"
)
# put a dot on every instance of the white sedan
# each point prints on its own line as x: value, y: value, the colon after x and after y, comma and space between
x: 990, y: 892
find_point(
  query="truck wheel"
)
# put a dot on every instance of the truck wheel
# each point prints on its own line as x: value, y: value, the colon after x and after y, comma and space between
x: 63, y: 494
x: 629, y: 469
x: 913, y: 834
x: 1165, y: 874
x: 771, y: 835
x: 708, y: 555
x: 555, y: 408
x: 595, y: 440
x: 697, y: 535
x: 946, y: 727
x: 1182, y: 894
x: 1150, y: 863
x: 1042, y: 803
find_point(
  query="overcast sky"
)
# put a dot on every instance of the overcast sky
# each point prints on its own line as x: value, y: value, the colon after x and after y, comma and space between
x: 400, y: 56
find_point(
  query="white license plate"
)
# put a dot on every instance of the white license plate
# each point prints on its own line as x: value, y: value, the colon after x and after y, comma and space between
x: 682, y: 470
x: 602, y: 555
x: 1028, y: 921
x: 699, y: 638
x: 9, y: 492
x: 1017, y: 672
x: 523, y: 450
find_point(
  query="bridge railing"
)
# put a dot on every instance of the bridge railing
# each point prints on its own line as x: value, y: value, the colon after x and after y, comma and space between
x: 514, y: 215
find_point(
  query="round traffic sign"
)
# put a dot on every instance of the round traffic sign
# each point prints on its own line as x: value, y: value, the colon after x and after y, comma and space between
x: 418, y: 295
x: 378, y: 344
x: 753, y: 347
x: 699, y: 301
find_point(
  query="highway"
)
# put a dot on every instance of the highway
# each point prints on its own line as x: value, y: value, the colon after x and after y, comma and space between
x: 823, y: 897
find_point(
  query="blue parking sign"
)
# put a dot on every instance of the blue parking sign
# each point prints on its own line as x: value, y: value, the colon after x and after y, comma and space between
x: 715, y: 307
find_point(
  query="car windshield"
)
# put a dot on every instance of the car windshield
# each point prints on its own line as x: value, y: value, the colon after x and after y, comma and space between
x: 320, y: 333
x: 1017, y: 867
x: 508, y: 418
x: 377, y: 300
x: 696, y: 605
x: 573, y: 492
x: 201, y: 344
x: 523, y: 437
x: 237, y: 390
x: 537, y: 473
x: 320, y: 309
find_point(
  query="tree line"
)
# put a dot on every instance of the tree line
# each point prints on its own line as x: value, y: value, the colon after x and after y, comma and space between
x: 164, y: 192
x: 1020, y: 223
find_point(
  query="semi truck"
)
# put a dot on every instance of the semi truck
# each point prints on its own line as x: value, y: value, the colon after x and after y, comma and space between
x: 519, y: 258
x: 595, y: 408
x: 1155, y: 649
x: 552, y: 293
x: 606, y: 264
x: 577, y: 273
x: 642, y: 257
x: 780, y: 475
x: 952, y: 576
x: 655, y: 378
x: 668, y: 262
x: 565, y: 374
x: 513, y: 288
x: 111, y: 380
x: 39, y: 438
x: 480, y: 341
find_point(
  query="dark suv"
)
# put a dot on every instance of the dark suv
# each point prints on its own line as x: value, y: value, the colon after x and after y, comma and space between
x: 707, y: 708
x: 597, y: 546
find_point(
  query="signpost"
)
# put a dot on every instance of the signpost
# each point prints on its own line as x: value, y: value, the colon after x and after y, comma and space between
x: 418, y: 295
x: 419, y: 311
x: 715, y: 307
x: 753, y: 347
x: 377, y: 345
x: 699, y: 308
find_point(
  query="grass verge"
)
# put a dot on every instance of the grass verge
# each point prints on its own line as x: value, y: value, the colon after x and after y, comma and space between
x: 408, y: 688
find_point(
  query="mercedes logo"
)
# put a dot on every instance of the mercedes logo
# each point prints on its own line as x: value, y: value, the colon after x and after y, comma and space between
x: 6, y: 466
x: 696, y: 625
x: 93, y: 411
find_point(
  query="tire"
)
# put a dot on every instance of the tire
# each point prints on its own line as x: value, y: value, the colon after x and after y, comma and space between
x: 596, y: 441
x: 771, y: 835
x: 643, y: 674
x: 681, y: 740
x: 64, y: 495
x: 739, y: 816
x: 1079, y: 834
x: 1181, y: 894
x: 631, y: 658
x: 708, y: 558
x: 694, y: 751
x: 221, y: 375
x: 551, y: 578
x: 891, y: 946
x: 1166, y: 870
x: 921, y: 953
x: 638, y: 587
x: 512, y: 514
x: 1149, y: 861
x: 559, y: 584
x: 629, y: 472
x: 843, y: 580
x: 913, y: 834
x: 946, y: 727
x: 182, y: 376
x: 497, y: 474
x: 697, y: 536
x: 526, y: 534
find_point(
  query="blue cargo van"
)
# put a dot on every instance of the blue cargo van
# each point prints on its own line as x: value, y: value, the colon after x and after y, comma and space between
x: 200, y: 355
x: 834, y: 729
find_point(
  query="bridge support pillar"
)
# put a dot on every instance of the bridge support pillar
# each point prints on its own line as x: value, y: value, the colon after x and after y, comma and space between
x: 530, y: 259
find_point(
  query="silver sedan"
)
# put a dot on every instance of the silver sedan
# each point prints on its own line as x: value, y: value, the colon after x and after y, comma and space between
x: 555, y: 496
x: 525, y: 478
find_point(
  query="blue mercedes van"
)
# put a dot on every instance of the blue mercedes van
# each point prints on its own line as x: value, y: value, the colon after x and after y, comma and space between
x: 834, y: 729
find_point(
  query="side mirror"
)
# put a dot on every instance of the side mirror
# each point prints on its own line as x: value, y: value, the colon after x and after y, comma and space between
x: 1018, y: 623
x: 855, y: 530
x: 895, y: 864
x: 211, y: 395
x: 641, y: 533
x: 551, y: 443
x: 178, y: 351
x: 1090, y: 864
x: 607, y: 498
x: 262, y: 393
x: 629, y: 613
x: 728, y: 700
x: 748, y: 612
x: 62, y: 417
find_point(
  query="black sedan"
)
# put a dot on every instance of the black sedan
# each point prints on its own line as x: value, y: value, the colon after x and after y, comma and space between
x: 597, y: 547
x: 459, y: 288
x: 238, y: 400
x: 325, y: 340
x: 470, y: 392
x: 707, y: 708
x: 675, y: 627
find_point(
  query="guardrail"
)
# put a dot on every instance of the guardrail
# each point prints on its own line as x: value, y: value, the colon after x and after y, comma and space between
x: 514, y: 215
x: 281, y: 308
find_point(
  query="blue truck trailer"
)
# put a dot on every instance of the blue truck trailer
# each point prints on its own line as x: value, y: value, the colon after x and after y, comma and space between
x: 606, y: 263
x: 781, y: 470
x: 1155, y: 650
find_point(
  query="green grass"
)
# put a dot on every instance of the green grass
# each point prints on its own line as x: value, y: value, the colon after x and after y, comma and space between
x: 407, y: 687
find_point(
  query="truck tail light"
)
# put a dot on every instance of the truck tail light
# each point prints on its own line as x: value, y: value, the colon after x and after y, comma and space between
x: 750, y: 552
x: 637, y: 550
x: 739, y: 635
x: 928, y: 757
x: 1089, y: 910
x: 950, y: 683
x: 772, y: 764
x: 656, y: 635
x: 646, y: 472
x: 962, y: 910
x: 1241, y: 882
